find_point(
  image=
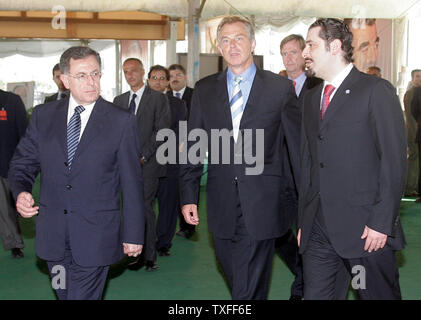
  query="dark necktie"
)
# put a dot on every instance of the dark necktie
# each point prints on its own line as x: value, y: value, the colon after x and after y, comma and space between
x: 326, y: 99
x: 73, y: 133
x: 132, y: 106
x: 178, y: 95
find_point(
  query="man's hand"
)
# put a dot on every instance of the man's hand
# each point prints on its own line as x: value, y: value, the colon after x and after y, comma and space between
x: 190, y: 214
x: 25, y: 205
x: 374, y: 240
x: 299, y: 236
x: 132, y: 250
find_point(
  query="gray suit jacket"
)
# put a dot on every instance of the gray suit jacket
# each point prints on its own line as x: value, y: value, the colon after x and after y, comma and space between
x: 152, y: 115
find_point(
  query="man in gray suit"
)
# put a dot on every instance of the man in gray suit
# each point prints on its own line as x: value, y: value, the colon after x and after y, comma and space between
x: 153, y: 114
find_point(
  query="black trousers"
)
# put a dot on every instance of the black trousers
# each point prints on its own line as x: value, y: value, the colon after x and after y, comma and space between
x: 246, y: 262
x: 169, y: 208
x: 374, y: 277
x: 74, y: 282
x: 287, y: 248
x: 150, y: 188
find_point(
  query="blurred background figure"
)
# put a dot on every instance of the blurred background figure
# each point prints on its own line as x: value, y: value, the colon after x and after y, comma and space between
x: 62, y: 91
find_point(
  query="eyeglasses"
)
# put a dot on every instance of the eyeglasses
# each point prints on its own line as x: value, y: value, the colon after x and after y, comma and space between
x: 160, y: 78
x: 84, y: 77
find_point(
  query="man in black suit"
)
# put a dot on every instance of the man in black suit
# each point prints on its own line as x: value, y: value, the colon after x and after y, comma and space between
x: 62, y: 91
x: 353, y: 171
x: 416, y: 113
x: 168, y: 190
x: 243, y: 197
x: 87, y: 151
x: 152, y: 114
x: 13, y: 121
x: 286, y: 246
x: 179, y: 89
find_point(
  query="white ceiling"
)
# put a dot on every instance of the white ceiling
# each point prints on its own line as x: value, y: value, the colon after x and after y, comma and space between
x: 267, y: 8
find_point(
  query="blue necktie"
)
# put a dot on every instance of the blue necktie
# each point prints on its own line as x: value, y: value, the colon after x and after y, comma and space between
x: 132, y: 106
x: 73, y: 133
x: 178, y: 95
x: 236, y: 105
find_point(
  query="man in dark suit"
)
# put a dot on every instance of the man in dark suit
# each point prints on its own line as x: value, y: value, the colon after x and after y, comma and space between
x: 243, y: 205
x: 416, y: 113
x: 13, y: 121
x: 179, y: 89
x: 286, y: 246
x: 168, y: 190
x: 353, y: 171
x: 87, y: 151
x: 152, y: 114
x: 62, y: 91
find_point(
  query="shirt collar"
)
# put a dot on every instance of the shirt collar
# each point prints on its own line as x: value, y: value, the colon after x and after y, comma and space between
x: 340, y: 77
x: 138, y: 92
x: 247, y: 75
x: 73, y: 104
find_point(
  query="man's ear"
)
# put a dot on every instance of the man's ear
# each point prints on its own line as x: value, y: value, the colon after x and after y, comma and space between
x: 336, y: 47
x: 65, y: 79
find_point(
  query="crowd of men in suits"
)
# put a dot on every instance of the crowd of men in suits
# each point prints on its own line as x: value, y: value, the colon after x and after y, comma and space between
x: 334, y: 167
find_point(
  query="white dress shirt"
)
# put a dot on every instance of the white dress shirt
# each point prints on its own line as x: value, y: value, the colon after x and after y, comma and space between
x: 84, y: 116
x: 337, y: 81
x: 139, y: 94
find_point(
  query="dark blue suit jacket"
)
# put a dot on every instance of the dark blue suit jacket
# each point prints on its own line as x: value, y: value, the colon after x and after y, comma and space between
x: 85, y: 201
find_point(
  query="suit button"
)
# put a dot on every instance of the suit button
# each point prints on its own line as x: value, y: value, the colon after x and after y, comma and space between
x: 322, y: 165
x: 235, y: 181
x: 66, y: 164
x: 69, y: 187
x: 65, y: 212
x: 320, y: 137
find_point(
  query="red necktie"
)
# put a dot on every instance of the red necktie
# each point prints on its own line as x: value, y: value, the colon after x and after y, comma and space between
x: 326, y: 99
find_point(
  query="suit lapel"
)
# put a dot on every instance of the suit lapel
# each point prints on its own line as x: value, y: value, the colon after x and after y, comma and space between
x: 93, y: 127
x: 341, y: 97
x: 143, y: 101
x: 61, y: 123
x: 221, y: 93
x: 253, y: 99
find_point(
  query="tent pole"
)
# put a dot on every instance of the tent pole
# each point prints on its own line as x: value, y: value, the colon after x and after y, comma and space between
x: 172, y: 43
x: 193, y: 41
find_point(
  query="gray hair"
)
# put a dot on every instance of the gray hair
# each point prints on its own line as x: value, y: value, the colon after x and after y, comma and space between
x: 76, y: 53
x: 233, y: 19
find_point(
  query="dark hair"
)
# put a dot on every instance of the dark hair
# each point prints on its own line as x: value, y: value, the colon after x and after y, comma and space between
x: 56, y: 67
x: 159, y: 68
x: 332, y: 29
x: 134, y: 59
x: 414, y: 71
x: 292, y: 37
x: 177, y: 67
x: 76, y: 53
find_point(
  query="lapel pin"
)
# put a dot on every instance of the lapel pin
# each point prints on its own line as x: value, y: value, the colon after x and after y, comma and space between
x: 347, y: 91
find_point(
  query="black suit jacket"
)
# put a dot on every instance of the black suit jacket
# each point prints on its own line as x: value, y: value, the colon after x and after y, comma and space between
x: 187, y: 96
x: 353, y: 164
x: 54, y: 97
x: 416, y: 111
x: 153, y: 114
x: 84, y: 201
x: 289, y: 195
x: 178, y: 113
x: 13, y: 121
x: 271, y: 106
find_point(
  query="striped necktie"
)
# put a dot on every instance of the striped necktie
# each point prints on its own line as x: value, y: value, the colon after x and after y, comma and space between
x: 236, y: 106
x: 73, y: 133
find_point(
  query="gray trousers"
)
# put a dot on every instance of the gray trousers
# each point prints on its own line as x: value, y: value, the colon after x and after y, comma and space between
x: 9, y: 225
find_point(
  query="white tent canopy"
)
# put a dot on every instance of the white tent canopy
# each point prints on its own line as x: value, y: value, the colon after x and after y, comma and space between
x: 272, y: 9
